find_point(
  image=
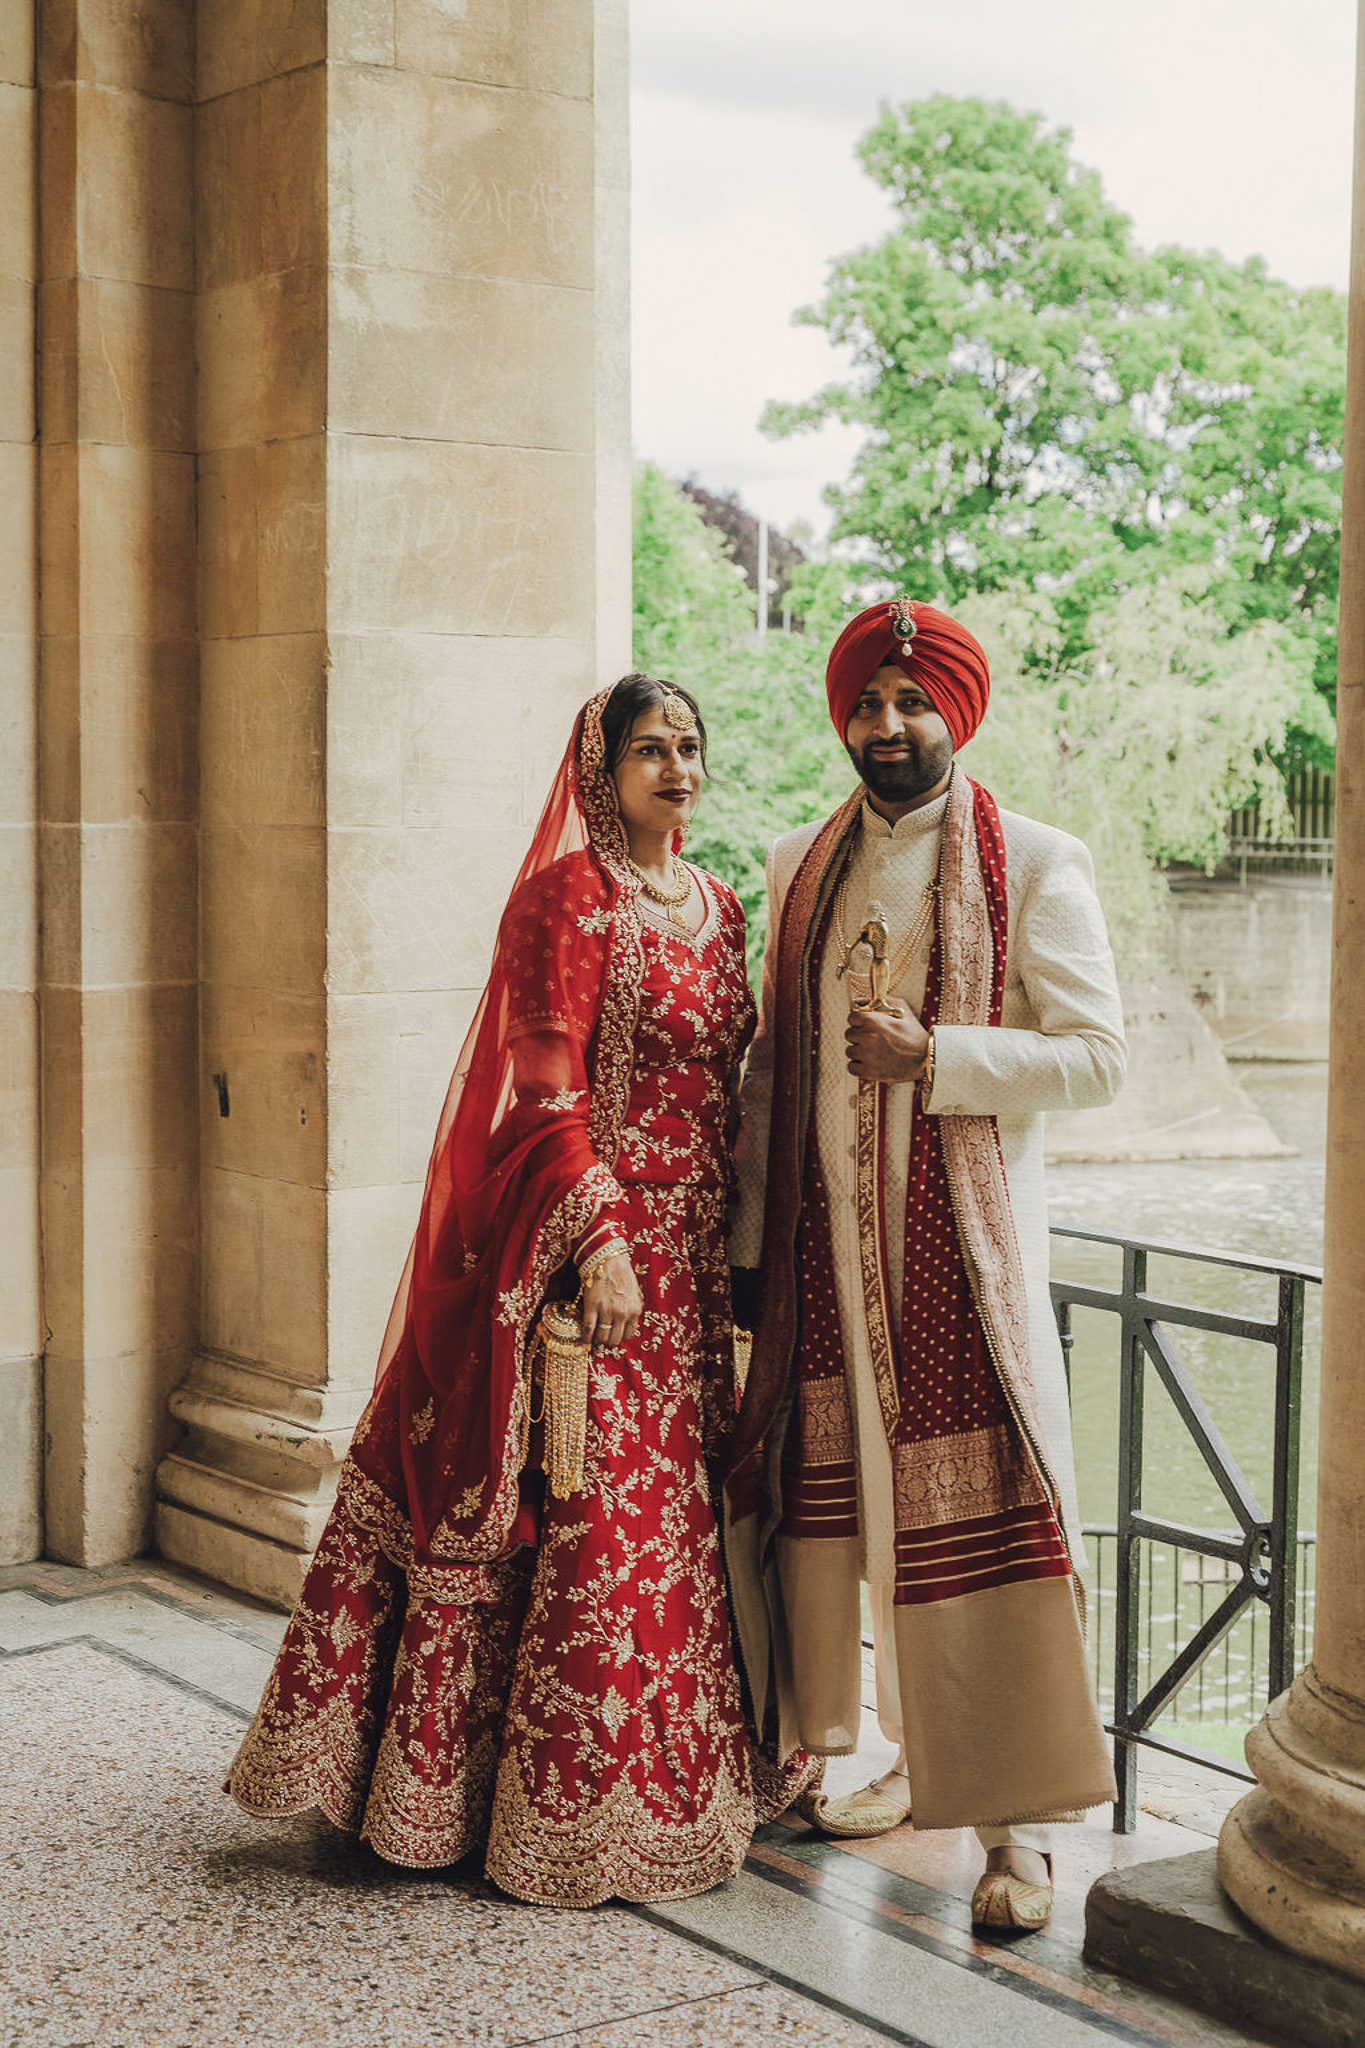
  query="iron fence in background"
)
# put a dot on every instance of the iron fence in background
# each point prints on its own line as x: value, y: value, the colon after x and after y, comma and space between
x: 1309, y: 849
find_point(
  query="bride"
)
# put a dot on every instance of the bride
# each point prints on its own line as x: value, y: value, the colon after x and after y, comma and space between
x: 484, y: 1659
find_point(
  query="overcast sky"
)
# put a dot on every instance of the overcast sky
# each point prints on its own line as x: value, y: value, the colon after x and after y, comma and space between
x: 1214, y: 123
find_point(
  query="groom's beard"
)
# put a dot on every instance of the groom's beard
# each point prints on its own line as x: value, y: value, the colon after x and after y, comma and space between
x: 901, y: 773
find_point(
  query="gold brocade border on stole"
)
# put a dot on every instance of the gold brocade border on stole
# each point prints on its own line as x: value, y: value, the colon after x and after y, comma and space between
x: 868, y: 1184
x: 971, y: 1144
x: 371, y: 1509
x: 614, y: 1058
x: 768, y: 1390
x: 826, y: 1426
x: 957, y: 1478
x: 981, y: 1208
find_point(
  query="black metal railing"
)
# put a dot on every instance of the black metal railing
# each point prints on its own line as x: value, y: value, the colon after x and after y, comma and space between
x: 1231, y: 1687
x: 1257, y: 1560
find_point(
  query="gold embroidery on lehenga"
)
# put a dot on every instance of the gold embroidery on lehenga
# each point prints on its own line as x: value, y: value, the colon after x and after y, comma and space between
x: 297, y: 1756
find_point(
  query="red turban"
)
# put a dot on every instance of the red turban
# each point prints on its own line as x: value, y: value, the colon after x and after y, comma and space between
x: 949, y: 665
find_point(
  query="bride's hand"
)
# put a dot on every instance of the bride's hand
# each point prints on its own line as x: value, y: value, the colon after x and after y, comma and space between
x: 612, y: 1304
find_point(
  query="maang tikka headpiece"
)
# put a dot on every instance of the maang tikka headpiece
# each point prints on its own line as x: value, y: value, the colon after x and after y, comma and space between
x: 903, y: 621
x: 677, y: 711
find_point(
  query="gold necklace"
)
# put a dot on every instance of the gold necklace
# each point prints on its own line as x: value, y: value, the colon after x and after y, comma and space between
x: 672, y: 899
x: 905, y: 952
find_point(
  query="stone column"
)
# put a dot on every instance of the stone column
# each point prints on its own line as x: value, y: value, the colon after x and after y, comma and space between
x: 1292, y: 1853
x: 406, y: 432
x: 614, y: 510
x: 21, y: 1341
x: 117, y: 749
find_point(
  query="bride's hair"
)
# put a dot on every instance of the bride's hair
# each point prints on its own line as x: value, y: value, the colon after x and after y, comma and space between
x: 635, y: 693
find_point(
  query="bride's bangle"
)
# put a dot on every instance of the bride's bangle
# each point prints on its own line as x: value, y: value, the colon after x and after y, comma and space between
x: 614, y: 1248
x: 596, y: 1234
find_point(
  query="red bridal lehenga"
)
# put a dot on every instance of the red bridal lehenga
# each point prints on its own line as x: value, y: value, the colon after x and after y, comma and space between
x: 474, y: 1664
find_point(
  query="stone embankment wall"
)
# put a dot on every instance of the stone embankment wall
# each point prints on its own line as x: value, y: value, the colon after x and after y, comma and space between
x: 1256, y: 960
x: 1245, y: 978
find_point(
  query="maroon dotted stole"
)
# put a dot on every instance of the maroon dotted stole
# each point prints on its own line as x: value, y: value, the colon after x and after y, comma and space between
x: 974, y: 1504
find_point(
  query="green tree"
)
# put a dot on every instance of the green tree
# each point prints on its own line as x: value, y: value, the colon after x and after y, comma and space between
x: 1047, y: 405
x: 690, y: 601
x: 774, y: 761
x: 770, y: 760
x: 1140, y: 742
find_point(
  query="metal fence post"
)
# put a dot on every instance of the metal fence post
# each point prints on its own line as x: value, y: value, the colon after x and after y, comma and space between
x: 1284, y: 1513
x: 1128, y: 1573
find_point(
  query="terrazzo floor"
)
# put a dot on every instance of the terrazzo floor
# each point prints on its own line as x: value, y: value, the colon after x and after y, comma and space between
x: 140, y: 1909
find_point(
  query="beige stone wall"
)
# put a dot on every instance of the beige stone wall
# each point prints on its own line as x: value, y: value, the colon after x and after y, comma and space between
x: 21, y: 1339
x: 460, y: 561
x: 118, y: 756
x: 615, y: 456
x: 413, y: 515
x: 327, y: 538
x: 261, y: 237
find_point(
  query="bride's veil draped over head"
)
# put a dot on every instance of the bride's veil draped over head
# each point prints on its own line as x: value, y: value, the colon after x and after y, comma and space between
x: 520, y: 1166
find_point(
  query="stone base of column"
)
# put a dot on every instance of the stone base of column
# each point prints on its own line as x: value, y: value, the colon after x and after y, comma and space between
x: 1170, y: 1926
x: 21, y: 1460
x: 244, y: 1497
x: 1292, y: 1853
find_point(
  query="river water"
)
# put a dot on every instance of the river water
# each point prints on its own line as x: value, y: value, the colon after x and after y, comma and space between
x: 1260, y: 1208
x: 1263, y: 1208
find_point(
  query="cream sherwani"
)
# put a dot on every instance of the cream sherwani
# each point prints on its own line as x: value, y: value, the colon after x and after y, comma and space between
x: 1060, y: 1045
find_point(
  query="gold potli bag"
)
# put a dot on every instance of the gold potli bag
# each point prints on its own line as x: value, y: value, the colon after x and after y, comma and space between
x: 559, y: 1357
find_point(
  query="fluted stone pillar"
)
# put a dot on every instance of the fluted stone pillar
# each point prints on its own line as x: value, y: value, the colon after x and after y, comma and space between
x: 1292, y: 1853
x: 413, y: 565
x: 21, y: 1320
x: 116, y: 733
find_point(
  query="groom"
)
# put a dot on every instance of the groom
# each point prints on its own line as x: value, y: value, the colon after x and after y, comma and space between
x: 905, y: 1420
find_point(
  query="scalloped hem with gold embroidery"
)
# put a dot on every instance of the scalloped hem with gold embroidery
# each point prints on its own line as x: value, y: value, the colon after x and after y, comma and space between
x: 643, y: 1868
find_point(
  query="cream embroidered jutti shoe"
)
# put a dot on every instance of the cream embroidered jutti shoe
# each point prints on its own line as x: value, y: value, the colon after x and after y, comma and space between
x: 1002, y: 1899
x: 856, y: 1816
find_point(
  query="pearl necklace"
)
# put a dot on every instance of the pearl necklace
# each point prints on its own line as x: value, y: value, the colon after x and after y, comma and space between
x: 672, y: 899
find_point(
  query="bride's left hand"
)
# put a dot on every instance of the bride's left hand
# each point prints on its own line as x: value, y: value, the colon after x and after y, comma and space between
x: 612, y: 1305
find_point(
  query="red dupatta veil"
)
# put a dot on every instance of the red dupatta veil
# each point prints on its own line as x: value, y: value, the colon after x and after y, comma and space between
x: 520, y: 1167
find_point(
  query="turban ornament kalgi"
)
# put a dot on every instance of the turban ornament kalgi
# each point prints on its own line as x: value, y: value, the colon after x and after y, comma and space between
x: 948, y: 663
